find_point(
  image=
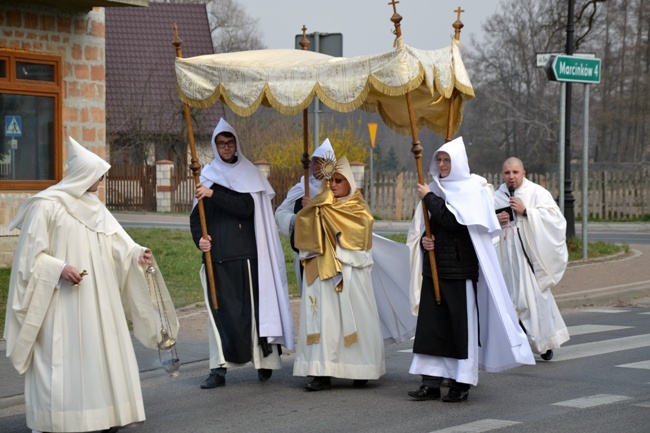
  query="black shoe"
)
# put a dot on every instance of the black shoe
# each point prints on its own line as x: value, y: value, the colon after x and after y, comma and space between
x: 264, y: 374
x: 213, y: 381
x: 319, y: 384
x: 548, y: 355
x: 425, y: 393
x: 359, y: 383
x: 455, y: 395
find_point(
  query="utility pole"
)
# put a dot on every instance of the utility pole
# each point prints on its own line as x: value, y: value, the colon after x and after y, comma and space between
x: 569, y: 200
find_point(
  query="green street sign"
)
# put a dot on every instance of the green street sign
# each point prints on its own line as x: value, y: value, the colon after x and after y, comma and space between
x: 574, y: 69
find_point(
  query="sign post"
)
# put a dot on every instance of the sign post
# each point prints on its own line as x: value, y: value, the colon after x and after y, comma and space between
x: 585, y: 70
x: 372, y: 130
x: 325, y: 43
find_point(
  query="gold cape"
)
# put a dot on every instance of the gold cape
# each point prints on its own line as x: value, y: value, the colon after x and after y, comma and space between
x: 320, y: 222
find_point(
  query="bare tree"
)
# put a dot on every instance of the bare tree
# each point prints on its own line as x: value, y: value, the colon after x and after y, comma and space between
x: 514, y: 108
x: 515, y: 112
x: 232, y: 28
x: 622, y: 112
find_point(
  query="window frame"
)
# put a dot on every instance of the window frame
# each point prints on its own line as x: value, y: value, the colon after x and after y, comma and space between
x: 52, y: 89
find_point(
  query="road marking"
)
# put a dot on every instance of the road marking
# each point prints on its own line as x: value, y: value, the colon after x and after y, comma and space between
x: 606, y: 310
x: 577, y: 351
x: 478, y: 426
x: 591, y: 329
x: 595, y: 348
x: 645, y: 365
x: 594, y: 400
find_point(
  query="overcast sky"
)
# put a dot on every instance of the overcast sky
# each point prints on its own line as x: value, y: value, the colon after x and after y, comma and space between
x: 365, y: 24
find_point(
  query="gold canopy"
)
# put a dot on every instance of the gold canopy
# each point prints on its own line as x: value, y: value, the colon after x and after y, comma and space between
x: 288, y: 80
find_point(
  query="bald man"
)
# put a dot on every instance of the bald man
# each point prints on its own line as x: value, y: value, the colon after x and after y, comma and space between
x: 533, y: 255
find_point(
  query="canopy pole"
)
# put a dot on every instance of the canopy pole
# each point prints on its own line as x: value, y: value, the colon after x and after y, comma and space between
x: 457, y: 25
x: 196, y: 170
x: 416, y: 149
x: 304, y: 43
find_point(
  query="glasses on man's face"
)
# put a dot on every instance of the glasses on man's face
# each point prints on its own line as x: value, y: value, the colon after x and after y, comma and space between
x: 338, y: 179
x: 226, y: 144
x: 101, y: 178
x: 443, y: 160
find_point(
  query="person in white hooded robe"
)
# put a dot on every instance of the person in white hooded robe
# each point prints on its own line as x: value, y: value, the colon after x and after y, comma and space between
x: 533, y: 255
x: 285, y: 214
x: 67, y: 332
x: 340, y: 333
x: 253, y: 318
x: 475, y: 325
x: 390, y: 273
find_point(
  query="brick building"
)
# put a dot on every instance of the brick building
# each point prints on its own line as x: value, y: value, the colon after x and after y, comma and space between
x: 52, y: 85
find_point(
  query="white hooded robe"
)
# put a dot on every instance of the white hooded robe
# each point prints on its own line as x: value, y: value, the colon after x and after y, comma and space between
x: 72, y: 342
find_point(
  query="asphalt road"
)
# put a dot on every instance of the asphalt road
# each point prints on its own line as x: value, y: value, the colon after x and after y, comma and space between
x: 598, y: 382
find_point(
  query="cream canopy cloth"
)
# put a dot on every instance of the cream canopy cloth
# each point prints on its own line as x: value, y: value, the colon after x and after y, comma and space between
x: 288, y: 80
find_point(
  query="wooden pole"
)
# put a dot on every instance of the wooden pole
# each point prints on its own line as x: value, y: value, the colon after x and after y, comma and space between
x: 416, y: 149
x: 457, y: 25
x: 304, y: 43
x: 196, y: 170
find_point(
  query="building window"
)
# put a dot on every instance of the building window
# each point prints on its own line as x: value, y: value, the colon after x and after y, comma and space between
x: 30, y: 116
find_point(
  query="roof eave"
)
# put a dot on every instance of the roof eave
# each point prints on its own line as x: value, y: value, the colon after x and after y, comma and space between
x: 62, y: 4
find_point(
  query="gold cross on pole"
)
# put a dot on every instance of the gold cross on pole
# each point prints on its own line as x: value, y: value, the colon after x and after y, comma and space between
x: 459, y: 11
x: 394, y: 4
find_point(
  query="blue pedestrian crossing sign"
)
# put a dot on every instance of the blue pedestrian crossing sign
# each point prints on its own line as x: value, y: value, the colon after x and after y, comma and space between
x: 13, y: 126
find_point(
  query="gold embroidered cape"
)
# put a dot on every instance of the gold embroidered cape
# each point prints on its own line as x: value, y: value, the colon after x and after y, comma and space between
x: 320, y: 223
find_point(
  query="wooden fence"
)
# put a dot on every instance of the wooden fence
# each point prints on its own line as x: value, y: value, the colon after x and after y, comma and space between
x: 131, y: 188
x: 613, y: 194
x: 182, y: 186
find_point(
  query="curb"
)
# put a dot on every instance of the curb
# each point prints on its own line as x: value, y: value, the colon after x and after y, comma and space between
x: 612, y: 295
x: 17, y: 401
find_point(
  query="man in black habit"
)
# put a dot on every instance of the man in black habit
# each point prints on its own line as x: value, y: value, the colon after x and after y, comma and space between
x: 253, y: 317
x: 450, y: 343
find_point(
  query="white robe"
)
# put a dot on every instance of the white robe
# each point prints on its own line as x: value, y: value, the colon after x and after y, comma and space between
x: 543, y: 233
x: 336, y: 315
x: 285, y: 218
x: 73, y: 343
x: 390, y: 278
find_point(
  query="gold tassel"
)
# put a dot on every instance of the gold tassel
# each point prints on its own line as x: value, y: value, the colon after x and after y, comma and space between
x: 313, y: 339
x: 349, y: 340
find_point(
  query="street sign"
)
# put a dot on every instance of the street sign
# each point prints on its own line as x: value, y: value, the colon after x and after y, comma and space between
x: 13, y: 126
x: 543, y: 58
x: 372, y: 130
x: 574, y: 69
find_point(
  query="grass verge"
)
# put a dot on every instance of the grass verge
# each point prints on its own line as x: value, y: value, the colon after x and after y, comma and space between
x: 179, y: 261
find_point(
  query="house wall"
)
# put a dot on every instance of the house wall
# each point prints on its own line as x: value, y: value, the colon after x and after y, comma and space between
x: 77, y: 35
